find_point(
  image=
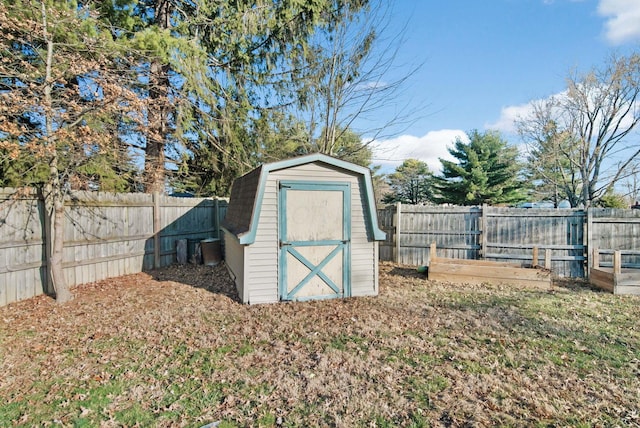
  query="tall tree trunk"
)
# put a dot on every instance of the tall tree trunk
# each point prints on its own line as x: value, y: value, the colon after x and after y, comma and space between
x: 54, y: 209
x: 154, y: 170
x: 53, y: 195
x: 158, y: 111
x: 586, y: 186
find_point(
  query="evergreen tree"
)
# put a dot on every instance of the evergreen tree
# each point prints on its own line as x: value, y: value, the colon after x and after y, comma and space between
x: 411, y: 183
x: 486, y: 172
x: 281, y: 135
x: 551, y: 153
x: 611, y: 199
x: 349, y: 146
x: 208, y: 68
x: 58, y: 77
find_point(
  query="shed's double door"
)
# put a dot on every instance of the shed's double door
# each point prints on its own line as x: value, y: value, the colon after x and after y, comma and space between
x: 314, y: 232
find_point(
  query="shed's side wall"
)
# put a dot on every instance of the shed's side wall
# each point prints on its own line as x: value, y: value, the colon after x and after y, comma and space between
x: 364, y: 250
x: 262, y: 255
x: 234, y: 259
x: 262, y: 260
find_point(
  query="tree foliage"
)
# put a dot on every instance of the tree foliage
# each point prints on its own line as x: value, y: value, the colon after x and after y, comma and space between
x: 209, y: 171
x: 59, y: 91
x: 110, y: 95
x: 613, y: 200
x: 213, y: 81
x: 596, y: 115
x: 61, y: 95
x: 486, y: 172
x: 411, y: 183
x: 548, y: 167
x: 214, y: 69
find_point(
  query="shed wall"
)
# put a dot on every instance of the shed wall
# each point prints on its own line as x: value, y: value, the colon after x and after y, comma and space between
x: 262, y: 255
x: 234, y: 259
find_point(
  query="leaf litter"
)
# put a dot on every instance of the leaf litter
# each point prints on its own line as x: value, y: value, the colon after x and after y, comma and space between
x: 174, y: 347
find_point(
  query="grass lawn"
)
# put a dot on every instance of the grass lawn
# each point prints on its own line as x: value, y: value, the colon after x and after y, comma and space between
x: 175, y: 348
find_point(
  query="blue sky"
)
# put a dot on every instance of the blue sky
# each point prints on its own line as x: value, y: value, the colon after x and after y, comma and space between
x: 483, y: 61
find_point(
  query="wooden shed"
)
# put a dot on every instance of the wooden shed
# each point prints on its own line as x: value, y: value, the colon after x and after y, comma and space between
x: 303, y: 228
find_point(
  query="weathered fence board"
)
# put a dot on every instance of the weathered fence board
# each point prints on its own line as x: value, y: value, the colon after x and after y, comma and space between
x: 386, y: 222
x: 615, y: 229
x: 509, y: 234
x: 110, y: 235
x: 455, y: 229
x: 106, y: 235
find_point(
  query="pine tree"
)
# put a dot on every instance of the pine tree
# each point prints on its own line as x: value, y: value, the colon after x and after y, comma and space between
x: 58, y: 76
x: 207, y: 69
x: 486, y: 172
x: 411, y: 183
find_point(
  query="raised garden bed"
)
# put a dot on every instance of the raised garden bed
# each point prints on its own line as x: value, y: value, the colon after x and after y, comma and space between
x: 485, y: 271
x: 615, y: 279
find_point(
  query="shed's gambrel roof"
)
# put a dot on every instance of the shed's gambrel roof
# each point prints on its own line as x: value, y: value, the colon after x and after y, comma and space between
x: 245, y: 203
x: 244, y: 194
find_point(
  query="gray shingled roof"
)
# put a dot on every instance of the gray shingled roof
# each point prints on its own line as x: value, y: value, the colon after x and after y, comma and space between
x: 244, y: 194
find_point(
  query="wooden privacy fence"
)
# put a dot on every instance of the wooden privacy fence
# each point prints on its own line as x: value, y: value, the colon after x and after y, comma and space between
x: 510, y: 234
x: 615, y: 230
x: 106, y: 235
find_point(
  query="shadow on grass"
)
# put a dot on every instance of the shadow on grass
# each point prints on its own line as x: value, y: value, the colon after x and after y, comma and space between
x: 214, y: 279
x: 578, y: 285
x: 406, y: 272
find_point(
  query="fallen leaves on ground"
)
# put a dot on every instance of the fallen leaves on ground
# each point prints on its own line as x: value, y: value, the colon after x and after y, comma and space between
x: 174, y: 347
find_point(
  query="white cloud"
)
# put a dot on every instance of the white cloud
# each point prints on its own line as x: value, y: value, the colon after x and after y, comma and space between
x: 506, y: 124
x: 428, y: 148
x: 623, y: 23
x: 509, y: 115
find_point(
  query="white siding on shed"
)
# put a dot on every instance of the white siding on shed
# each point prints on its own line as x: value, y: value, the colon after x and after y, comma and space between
x: 262, y: 270
x: 255, y: 262
x: 234, y: 259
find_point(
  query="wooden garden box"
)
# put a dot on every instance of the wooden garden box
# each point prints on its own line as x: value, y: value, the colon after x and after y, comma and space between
x: 485, y: 271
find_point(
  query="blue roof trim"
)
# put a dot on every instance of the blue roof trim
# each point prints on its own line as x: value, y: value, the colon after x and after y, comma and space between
x: 249, y: 237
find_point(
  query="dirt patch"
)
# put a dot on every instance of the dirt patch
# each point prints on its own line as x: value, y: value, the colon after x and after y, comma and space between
x: 174, y: 347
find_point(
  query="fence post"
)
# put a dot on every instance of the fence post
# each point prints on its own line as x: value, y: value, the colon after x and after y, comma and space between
x: 617, y: 262
x: 589, y: 239
x: 156, y: 230
x: 216, y: 217
x: 547, y: 258
x: 397, y: 230
x: 483, y: 231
